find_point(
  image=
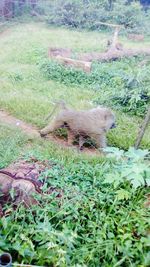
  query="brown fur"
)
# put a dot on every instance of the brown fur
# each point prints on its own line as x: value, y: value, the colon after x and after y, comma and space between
x: 92, y: 123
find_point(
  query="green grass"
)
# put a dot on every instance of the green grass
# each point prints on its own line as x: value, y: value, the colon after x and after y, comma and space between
x: 27, y: 94
x: 12, y: 142
x: 88, y: 226
x: 93, y: 224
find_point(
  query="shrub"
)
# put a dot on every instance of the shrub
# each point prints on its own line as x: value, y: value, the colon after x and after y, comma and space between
x: 91, y: 224
x: 88, y: 14
x: 120, y: 84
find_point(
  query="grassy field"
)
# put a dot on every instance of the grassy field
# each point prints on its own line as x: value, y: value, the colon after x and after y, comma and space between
x: 93, y: 224
x: 27, y: 94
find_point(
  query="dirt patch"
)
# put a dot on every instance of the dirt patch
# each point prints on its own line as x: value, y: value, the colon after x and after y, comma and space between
x: 26, y: 128
x: 21, y: 180
x: 33, y: 132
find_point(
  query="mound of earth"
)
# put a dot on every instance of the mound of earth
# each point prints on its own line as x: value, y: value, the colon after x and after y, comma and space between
x: 21, y: 181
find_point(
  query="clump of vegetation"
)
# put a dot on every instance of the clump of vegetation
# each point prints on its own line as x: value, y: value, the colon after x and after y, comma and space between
x: 91, y: 224
x: 100, y: 218
x: 122, y: 84
x: 130, y: 167
x: 89, y: 14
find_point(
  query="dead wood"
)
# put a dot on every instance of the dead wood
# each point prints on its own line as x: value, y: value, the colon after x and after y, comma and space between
x: 110, y: 24
x: 142, y: 129
x: 63, y: 56
x: 84, y: 65
x: 115, y: 39
x: 113, y: 54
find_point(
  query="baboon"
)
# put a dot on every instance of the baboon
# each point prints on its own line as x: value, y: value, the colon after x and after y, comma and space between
x: 93, y: 123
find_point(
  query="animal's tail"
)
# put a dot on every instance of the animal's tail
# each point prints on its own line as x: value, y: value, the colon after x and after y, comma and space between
x: 61, y: 104
x: 57, y: 104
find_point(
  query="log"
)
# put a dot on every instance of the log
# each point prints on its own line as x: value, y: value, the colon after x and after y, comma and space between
x: 84, y: 65
x: 113, y: 54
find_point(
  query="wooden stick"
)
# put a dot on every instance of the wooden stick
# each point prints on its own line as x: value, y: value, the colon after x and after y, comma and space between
x: 143, y: 128
x: 115, y: 39
x: 110, y: 24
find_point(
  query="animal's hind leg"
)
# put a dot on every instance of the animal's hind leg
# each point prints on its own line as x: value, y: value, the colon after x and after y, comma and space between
x: 70, y: 137
x: 51, y: 127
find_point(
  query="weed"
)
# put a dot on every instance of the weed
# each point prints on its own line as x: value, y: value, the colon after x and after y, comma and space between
x: 97, y: 221
x: 123, y: 87
x: 85, y: 225
x: 11, y: 142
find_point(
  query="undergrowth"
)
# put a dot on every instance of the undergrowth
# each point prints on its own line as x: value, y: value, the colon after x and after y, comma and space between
x: 100, y: 219
x: 11, y: 142
x: 91, y: 224
x: 122, y: 84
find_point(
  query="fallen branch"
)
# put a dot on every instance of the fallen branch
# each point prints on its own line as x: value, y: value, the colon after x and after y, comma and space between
x: 110, y: 24
x: 143, y: 128
x: 113, y: 54
x: 115, y: 39
x: 86, y: 66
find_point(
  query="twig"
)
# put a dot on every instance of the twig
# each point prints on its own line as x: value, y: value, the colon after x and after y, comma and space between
x: 143, y: 128
x: 110, y: 24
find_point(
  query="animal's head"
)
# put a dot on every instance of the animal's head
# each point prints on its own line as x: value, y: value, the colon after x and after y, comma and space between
x: 107, y: 118
x: 110, y: 120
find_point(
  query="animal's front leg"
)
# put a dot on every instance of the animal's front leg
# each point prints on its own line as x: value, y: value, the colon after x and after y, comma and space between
x: 100, y: 140
x: 51, y: 127
x: 81, y: 142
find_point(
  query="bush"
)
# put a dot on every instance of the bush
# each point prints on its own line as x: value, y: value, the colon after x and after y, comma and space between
x: 89, y: 14
x: 96, y: 222
x: 120, y: 84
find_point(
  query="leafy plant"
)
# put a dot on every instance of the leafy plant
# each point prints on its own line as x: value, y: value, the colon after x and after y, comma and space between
x: 130, y: 167
x: 87, y: 224
x: 89, y: 14
x: 121, y: 87
x: 136, y: 94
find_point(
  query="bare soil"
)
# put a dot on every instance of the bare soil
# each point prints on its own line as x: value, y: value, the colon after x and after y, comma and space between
x: 33, y: 132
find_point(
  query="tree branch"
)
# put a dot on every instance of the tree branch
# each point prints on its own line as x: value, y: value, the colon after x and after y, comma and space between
x: 143, y: 128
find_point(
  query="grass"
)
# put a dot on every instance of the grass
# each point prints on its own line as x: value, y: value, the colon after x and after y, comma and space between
x: 11, y: 143
x: 88, y: 226
x: 94, y: 223
x: 27, y: 94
